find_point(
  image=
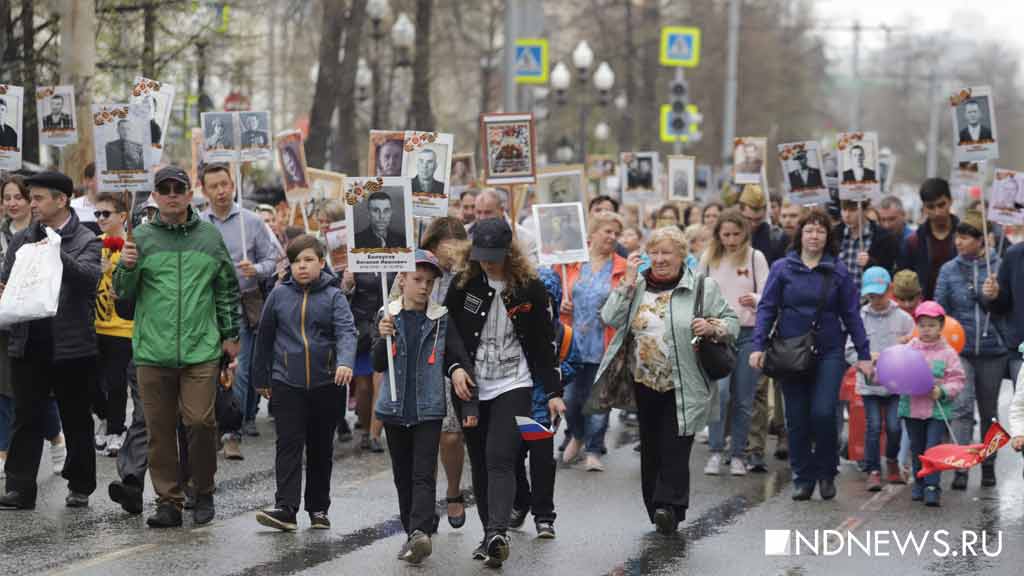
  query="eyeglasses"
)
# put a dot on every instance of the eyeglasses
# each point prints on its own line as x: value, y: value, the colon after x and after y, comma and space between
x: 171, y: 189
x: 103, y: 214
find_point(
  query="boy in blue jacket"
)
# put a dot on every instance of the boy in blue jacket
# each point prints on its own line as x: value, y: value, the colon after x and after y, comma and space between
x: 425, y: 348
x: 302, y: 359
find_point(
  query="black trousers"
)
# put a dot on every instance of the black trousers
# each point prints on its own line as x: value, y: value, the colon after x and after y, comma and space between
x: 304, y: 419
x: 664, y: 454
x: 35, y: 376
x: 413, y: 452
x: 133, y: 457
x: 494, y: 447
x: 537, y: 493
x: 114, y: 355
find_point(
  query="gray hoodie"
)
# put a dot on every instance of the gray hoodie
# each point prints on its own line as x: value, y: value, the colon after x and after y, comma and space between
x: 884, y: 329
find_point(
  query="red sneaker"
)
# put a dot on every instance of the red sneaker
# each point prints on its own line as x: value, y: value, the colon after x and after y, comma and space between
x: 874, y: 482
x: 893, y: 474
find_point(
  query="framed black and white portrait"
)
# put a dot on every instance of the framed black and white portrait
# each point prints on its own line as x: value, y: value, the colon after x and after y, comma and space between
x: 974, y: 124
x: 379, y: 211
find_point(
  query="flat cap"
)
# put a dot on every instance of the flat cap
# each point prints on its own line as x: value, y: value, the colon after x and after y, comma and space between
x: 52, y: 180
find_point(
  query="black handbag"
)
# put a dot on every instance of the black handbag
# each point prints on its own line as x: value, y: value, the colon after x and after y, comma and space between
x: 717, y: 358
x: 789, y: 356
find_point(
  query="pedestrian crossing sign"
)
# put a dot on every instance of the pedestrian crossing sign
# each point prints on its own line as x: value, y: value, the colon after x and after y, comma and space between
x: 531, y: 62
x: 666, y: 132
x: 680, y: 46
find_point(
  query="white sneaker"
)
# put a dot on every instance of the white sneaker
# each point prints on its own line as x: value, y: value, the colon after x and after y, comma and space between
x: 714, y: 465
x: 114, y: 443
x: 702, y: 436
x: 737, y: 467
x: 2, y: 473
x: 100, y: 436
x: 58, y: 454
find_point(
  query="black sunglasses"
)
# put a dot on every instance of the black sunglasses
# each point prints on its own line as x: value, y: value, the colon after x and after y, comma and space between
x: 103, y: 214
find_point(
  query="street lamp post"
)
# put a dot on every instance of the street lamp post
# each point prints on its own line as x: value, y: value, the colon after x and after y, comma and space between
x: 377, y: 11
x: 603, y: 79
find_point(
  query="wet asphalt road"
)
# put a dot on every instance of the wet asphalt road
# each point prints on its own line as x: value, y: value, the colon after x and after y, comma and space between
x: 602, y: 528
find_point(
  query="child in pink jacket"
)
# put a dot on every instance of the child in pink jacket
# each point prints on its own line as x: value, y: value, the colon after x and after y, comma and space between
x: 924, y: 415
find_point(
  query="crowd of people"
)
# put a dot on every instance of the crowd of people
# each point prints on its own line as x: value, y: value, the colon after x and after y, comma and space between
x: 198, y: 313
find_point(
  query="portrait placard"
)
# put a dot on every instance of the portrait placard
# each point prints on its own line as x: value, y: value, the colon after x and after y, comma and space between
x: 336, y: 237
x: 974, y: 124
x: 220, y: 137
x: 681, y: 178
x: 802, y: 174
x: 122, y: 139
x: 562, y: 233
x: 196, y: 145
x: 380, y: 234
x: 56, y: 116
x: 601, y: 166
x: 463, y: 171
x: 638, y: 174
x: 254, y: 138
x: 386, y: 153
x: 291, y: 155
x: 427, y: 162
x: 508, y: 148
x: 158, y: 99
x: 560, y: 184
x: 1006, y: 201
x: 324, y: 187
x: 858, y: 166
x: 963, y: 177
x: 748, y: 156
x: 12, y: 102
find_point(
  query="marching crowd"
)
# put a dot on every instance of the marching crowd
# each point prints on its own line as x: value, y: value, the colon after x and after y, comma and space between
x: 723, y: 322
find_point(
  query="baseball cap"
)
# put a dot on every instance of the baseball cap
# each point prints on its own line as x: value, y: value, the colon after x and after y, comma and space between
x: 427, y: 258
x: 753, y: 196
x: 905, y: 285
x: 930, y: 309
x: 875, y: 281
x: 491, y: 240
x: 52, y: 180
x: 172, y: 174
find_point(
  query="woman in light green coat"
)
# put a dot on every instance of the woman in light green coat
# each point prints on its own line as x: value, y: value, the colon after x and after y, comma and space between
x: 652, y: 367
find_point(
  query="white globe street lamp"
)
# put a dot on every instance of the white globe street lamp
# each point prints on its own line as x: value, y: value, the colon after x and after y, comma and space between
x: 583, y: 57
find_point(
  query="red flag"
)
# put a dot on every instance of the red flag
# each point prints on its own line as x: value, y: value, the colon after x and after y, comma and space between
x: 956, y: 457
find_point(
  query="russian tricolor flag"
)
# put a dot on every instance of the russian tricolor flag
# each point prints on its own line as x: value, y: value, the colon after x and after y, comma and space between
x: 530, y: 429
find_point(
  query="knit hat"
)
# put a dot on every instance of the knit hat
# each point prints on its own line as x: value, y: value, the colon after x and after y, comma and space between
x: 753, y: 196
x: 905, y: 285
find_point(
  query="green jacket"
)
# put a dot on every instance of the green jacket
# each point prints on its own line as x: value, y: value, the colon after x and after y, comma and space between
x: 185, y: 292
x: 696, y: 394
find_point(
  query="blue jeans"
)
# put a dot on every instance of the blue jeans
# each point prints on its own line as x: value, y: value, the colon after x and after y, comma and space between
x: 875, y: 409
x: 811, y: 401
x: 51, y: 424
x: 248, y: 399
x: 923, y: 435
x: 739, y: 386
x: 589, y: 429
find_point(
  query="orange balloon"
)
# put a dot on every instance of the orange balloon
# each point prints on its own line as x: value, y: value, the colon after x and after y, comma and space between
x: 953, y: 332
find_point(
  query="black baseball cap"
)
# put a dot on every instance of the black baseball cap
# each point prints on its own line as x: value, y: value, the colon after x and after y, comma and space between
x: 491, y: 240
x: 53, y: 181
x: 172, y: 174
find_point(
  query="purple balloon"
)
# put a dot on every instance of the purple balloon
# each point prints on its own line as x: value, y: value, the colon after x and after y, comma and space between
x: 904, y: 370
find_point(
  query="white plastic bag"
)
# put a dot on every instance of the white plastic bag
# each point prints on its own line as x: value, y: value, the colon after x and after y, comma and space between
x: 33, y: 289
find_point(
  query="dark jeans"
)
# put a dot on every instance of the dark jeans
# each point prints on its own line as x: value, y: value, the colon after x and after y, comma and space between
x: 304, y: 420
x: 875, y: 409
x: 664, y: 454
x: 35, y: 376
x: 114, y: 354
x: 984, y: 378
x: 536, y: 494
x: 589, y: 429
x: 51, y: 420
x: 494, y: 445
x: 133, y: 457
x: 413, y: 452
x: 923, y: 435
x: 812, y: 400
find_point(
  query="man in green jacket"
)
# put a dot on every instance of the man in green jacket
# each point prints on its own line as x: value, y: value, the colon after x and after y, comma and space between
x: 181, y: 277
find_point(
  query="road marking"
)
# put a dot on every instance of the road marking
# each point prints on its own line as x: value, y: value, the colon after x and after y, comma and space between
x: 873, y: 504
x: 97, y: 560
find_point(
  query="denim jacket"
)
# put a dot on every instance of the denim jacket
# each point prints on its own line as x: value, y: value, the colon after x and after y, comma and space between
x: 438, y: 353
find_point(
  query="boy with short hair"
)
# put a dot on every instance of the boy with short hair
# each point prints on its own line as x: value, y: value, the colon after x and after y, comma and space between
x: 303, y: 357
x: 425, y: 348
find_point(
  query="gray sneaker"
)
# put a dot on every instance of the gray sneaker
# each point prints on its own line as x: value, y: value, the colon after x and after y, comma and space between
x: 419, y: 548
x: 756, y: 463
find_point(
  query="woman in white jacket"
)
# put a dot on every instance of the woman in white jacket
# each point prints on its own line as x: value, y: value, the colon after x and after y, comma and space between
x: 1017, y: 411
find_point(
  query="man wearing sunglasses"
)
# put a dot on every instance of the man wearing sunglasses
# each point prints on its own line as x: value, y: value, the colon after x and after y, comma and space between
x: 181, y: 277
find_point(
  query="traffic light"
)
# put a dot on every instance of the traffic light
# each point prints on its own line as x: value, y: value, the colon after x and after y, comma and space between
x: 678, y: 101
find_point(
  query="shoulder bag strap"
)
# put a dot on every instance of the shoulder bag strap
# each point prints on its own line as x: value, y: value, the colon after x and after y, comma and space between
x: 698, y: 299
x: 753, y: 270
x: 826, y: 287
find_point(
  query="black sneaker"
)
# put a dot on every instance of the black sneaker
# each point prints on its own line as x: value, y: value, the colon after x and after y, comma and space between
x: 665, y: 521
x: 546, y: 530
x: 14, y: 500
x: 76, y: 500
x: 203, y: 511
x: 319, y: 521
x: 960, y: 481
x: 480, y: 552
x: 827, y: 489
x: 756, y: 463
x: 497, y: 551
x: 250, y: 429
x: 802, y: 491
x: 517, y: 518
x: 988, y: 475
x: 418, y: 549
x: 167, y: 515
x: 128, y: 495
x: 278, y: 518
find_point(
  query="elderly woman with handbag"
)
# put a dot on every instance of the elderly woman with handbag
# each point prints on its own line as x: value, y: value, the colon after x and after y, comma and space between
x: 807, y: 310
x: 669, y: 322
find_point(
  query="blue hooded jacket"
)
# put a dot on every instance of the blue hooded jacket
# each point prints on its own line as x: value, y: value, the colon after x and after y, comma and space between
x: 958, y: 290
x: 791, y: 295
